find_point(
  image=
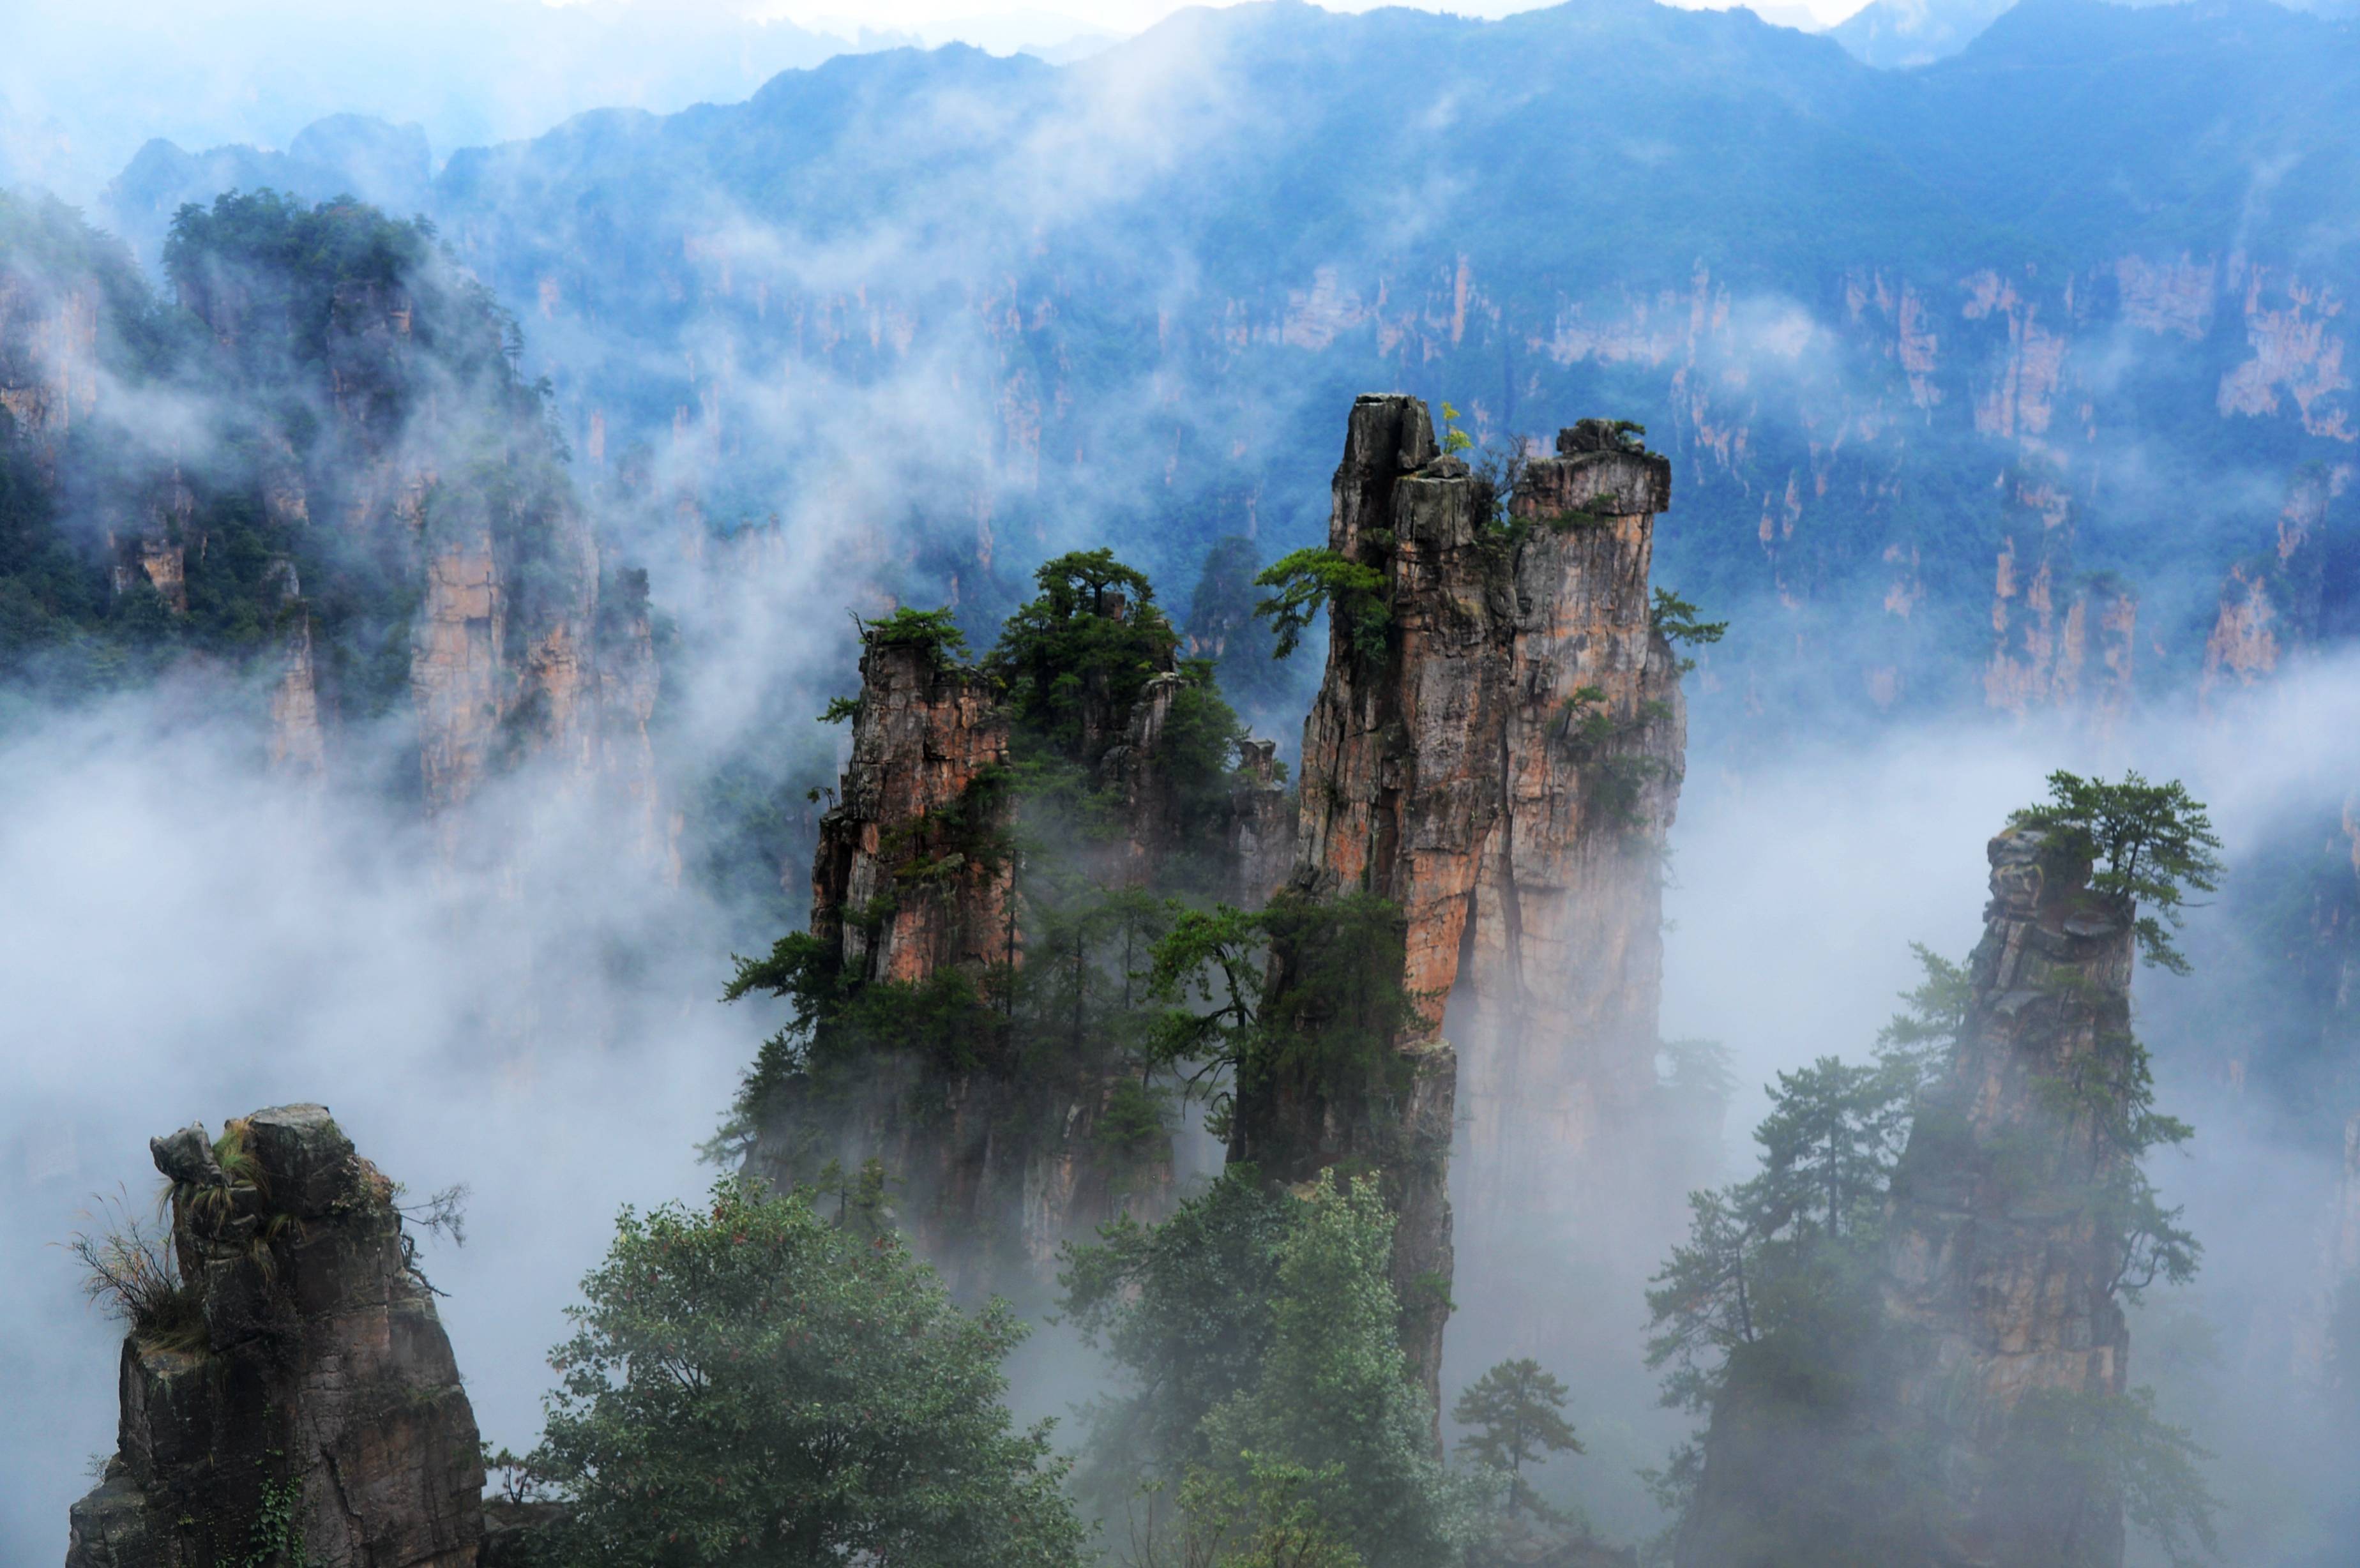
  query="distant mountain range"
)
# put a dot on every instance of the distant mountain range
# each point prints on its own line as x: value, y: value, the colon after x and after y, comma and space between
x: 2020, y: 379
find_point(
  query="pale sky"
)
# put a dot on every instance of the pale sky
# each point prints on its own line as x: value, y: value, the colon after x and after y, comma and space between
x: 985, y: 24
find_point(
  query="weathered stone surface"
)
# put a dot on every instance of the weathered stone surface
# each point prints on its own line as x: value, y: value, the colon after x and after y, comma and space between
x: 1454, y: 776
x: 319, y: 1378
x: 916, y: 876
x: 2000, y: 1275
x: 306, y: 1155
x: 1562, y: 982
x: 1260, y: 827
x: 501, y: 562
x: 910, y: 881
x: 49, y: 359
x: 928, y: 746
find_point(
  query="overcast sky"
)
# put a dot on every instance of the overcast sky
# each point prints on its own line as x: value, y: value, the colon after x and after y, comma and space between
x: 83, y: 86
x: 983, y: 23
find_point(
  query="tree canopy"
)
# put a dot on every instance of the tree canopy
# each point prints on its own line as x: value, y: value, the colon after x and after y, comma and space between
x: 1517, y: 1408
x: 749, y: 1384
x: 2149, y: 846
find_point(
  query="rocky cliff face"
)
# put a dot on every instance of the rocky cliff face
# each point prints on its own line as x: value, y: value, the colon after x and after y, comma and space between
x: 1562, y: 981
x: 1261, y: 828
x: 912, y: 877
x: 349, y: 418
x: 298, y: 1402
x: 2002, y: 1275
x: 914, y: 883
x: 48, y: 357
x: 1502, y: 772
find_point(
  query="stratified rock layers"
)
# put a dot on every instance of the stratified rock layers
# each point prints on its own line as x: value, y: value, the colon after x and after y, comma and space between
x: 1564, y: 975
x: 312, y: 1412
x: 1498, y: 773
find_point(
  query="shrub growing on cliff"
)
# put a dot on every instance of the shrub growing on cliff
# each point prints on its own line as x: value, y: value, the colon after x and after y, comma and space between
x: 750, y: 1384
x: 1682, y: 624
x: 1338, y: 1008
x: 132, y: 1271
x: 932, y: 630
x: 1305, y: 582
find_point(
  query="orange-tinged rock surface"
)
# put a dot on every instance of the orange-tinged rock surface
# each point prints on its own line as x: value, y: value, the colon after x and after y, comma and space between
x: 1503, y: 774
x: 915, y: 878
x: 926, y: 745
x: 1566, y: 952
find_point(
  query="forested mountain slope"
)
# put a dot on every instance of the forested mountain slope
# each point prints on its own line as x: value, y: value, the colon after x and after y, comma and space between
x: 2018, y: 380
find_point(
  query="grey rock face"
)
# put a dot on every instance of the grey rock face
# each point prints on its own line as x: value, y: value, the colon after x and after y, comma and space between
x: 297, y: 1399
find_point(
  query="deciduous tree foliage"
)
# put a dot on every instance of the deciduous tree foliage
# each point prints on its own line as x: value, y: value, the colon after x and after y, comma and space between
x: 1268, y: 1390
x: 751, y: 1384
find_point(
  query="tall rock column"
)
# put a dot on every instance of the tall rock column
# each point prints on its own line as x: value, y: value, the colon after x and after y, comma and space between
x: 1563, y: 978
x: 914, y: 880
x: 1502, y: 771
x: 294, y: 1399
x: 2000, y: 1273
x: 1397, y: 792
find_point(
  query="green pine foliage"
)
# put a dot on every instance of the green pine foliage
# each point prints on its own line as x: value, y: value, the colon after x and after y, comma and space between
x: 1305, y: 582
x: 1074, y: 660
x: 1682, y: 624
x: 2149, y: 844
x: 1768, y: 1318
x: 1330, y: 1021
x: 749, y: 1383
x: 1258, y: 1335
x: 1516, y: 1410
x: 934, y: 630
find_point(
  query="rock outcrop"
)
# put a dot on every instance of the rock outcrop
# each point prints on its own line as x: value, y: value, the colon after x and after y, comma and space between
x: 1563, y: 977
x: 2001, y: 1270
x: 1007, y: 1122
x: 1261, y: 828
x: 1487, y: 772
x: 912, y: 877
x: 360, y: 417
x: 293, y: 1399
x: 914, y: 884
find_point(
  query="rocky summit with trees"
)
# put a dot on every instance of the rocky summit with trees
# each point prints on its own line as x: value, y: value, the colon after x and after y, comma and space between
x: 1070, y: 932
